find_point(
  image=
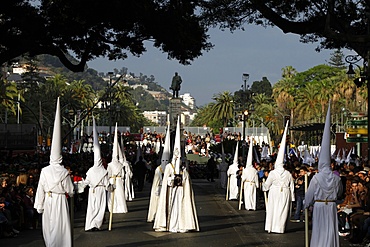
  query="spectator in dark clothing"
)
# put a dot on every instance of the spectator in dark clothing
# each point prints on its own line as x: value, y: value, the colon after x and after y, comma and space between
x: 6, y: 227
x: 299, y: 193
x: 211, y: 168
x: 30, y: 215
x: 139, y: 172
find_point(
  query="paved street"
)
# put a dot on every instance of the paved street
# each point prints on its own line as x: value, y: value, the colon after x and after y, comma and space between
x: 221, y: 224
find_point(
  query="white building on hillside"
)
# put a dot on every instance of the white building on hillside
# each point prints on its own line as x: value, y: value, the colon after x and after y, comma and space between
x: 158, y: 117
x: 188, y: 100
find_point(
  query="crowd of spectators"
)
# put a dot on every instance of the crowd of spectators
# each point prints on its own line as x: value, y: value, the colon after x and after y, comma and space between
x: 19, y: 174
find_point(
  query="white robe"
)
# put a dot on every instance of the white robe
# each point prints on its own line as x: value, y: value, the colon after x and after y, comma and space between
x: 154, y: 193
x: 120, y: 205
x: 129, y: 186
x: 324, y: 218
x: 97, y: 180
x: 233, y: 189
x: 251, y: 183
x: 176, y: 210
x: 51, y: 198
x: 280, y: 185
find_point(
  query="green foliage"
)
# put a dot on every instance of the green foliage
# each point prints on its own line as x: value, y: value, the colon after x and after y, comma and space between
x: 337, y: 59
x: 335, y: 24
x: 263, y: 86
x: 60, y: 28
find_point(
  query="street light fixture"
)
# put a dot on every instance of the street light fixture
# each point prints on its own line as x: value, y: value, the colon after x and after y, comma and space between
x: 360, y: 81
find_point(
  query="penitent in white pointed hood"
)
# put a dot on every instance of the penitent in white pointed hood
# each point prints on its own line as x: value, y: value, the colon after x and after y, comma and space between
x: 236, y: 154
x: 97, y: 155
x: 176, y: 157
x: 279, y: 163
x: 324, y: 158
x: 166, y: 149
x: 115, y: 154
x: 56, y: 144
x: 250, y: 155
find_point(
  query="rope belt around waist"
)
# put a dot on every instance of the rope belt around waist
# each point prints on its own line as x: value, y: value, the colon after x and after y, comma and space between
x: 326, y: 201
x: 249, y: 181
x: 50, y: 193
x: 116, y: 177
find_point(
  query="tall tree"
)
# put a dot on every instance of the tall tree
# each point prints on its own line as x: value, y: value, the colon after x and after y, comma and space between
x: 337, y: 59
x: 61, y: 29
x: 263, y: 86
x: 223, y: 109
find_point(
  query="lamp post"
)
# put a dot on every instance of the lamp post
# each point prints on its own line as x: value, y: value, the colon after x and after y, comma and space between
x: 110, y: 74
x: 359, y: 81
x: 245, y: 78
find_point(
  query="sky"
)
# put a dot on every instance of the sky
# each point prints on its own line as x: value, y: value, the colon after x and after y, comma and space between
x: 260, y: 52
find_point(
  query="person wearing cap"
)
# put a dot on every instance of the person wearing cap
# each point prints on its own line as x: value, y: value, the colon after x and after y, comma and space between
x: 158, y: 178
x: 250, y: 182
x: 51, y: 195
x: 97, y: 180
x: 280, y: 185
x: 322, y: 193
x: 176, y: 210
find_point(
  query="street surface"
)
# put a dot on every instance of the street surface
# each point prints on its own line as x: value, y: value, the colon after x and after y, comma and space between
x: 220, y: 221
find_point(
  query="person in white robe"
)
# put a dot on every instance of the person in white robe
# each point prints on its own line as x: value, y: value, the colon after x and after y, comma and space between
x: 115, y: 174
x: 51, y: 195
x: 280, y: 185
x: 128, y: 175
x: 232, y: 176
x: 176, y: 210
x: 97, y: 180
x: 158, y: 178
x: 250, y: 182
x: 322, y: 193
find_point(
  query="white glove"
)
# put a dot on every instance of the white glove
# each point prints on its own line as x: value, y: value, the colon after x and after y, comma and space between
x: 40, y: 211
x: 170, y: 180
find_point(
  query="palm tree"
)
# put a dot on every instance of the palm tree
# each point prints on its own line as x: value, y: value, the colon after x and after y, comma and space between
x: 289, y: 72
x: 308, y: 104
x: 223, y: 109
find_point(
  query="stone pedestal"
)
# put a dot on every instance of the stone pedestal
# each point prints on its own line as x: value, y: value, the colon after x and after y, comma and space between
x: 175, y: 111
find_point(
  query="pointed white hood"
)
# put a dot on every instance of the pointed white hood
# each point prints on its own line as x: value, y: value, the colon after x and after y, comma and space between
x: 55, y: 171
x: 97, y: 172
x: 326, y: 178
x: 115, y: 152
x: 97, y: 155
x: 236, y: 154
x: 56, y: 143
x: 279, y: 163
x: 166, y: 149
x: 250, y: 155
x: 324, y: 158
x: 176, y: 157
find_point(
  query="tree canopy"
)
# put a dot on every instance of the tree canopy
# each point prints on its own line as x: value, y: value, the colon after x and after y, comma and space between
x: 89, y: 29
x: 86, y: 30
x: 335, y: 24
